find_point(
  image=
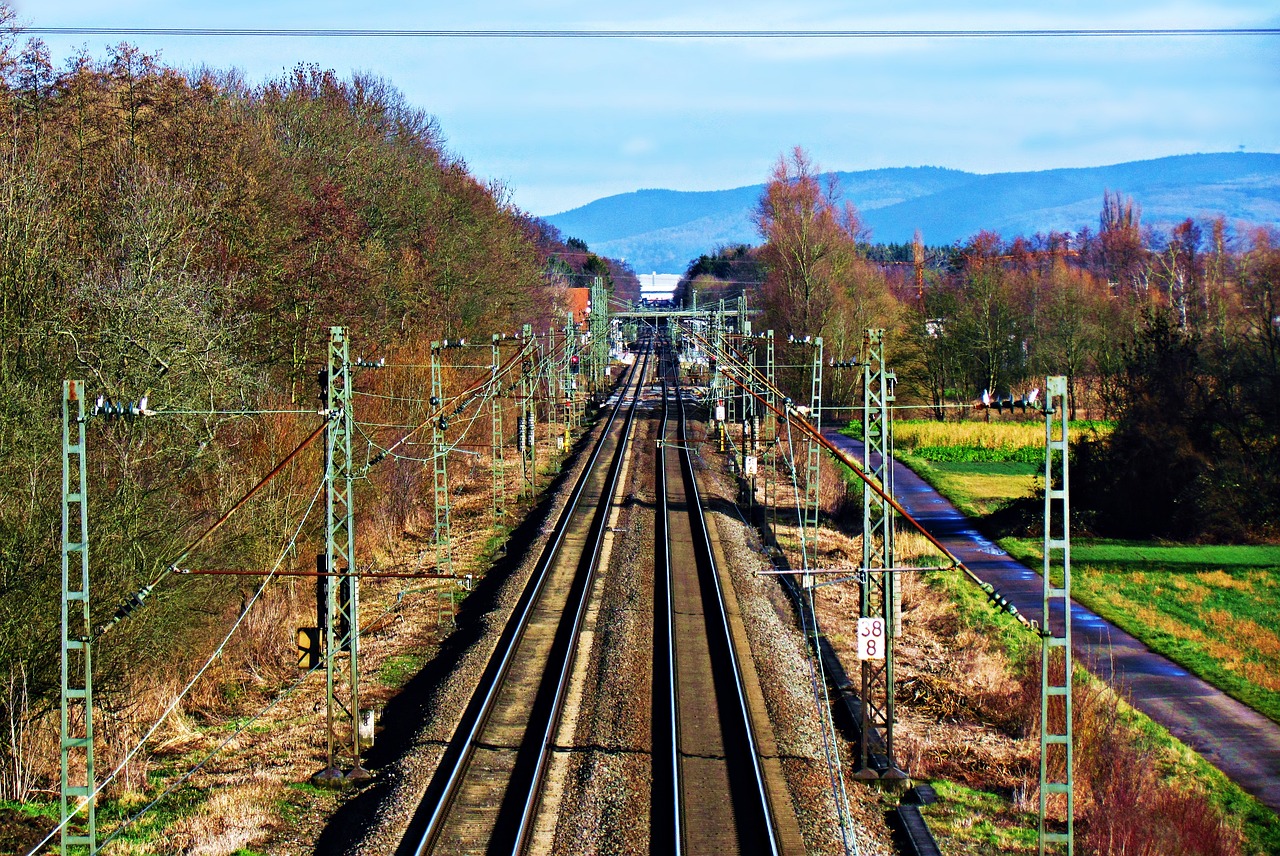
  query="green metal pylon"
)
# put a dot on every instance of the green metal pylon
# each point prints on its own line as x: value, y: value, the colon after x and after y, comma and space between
x: 813, y: 471
x: 568, y: 380
x: 499, y: 462
x: 76, y: 742
x: 526, y: 438
x: 599, y: 325
x: 771, y: 430
x: 550, y: 375
x: 1056, y: 778
x: 440, y: 470
x: 879, y: 596
x: 342, y: 584
x: 771, y: 384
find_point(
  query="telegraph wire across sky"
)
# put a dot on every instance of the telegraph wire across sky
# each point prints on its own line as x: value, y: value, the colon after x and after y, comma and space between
x: 344, y: 33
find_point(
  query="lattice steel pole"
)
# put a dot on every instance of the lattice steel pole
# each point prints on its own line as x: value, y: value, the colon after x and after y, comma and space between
x: 716, y: 388
x: 495, y: 424
x: 568, y: 381
x: 342, y: 584
x: 813, y: 471
x: 771, y: 432
x: 440, y: 470
x: 1056, y: 773
x: 549, y: 373
x: 77, y: 662
x: 599, y: 333
x: 526, y: 438
x: 750, y: 421
x: 879, y: 595
x: 730, y: 394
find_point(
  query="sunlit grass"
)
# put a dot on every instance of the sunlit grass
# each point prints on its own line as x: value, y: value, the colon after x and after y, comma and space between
x: 965, y: 820
x: 1211, y: 609
x: 1001, y: 433
x: 977, y: 489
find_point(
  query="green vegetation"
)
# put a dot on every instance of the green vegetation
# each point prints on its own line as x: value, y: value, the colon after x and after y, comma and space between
x: 964, y: 820
x: 1110, y: 736
x: 396, y: 671
x: 1210, y: 609
x: 975, y: 488
x: 191, y: 237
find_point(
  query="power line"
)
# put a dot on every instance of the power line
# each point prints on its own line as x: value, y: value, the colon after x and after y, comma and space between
x: 344, y: 33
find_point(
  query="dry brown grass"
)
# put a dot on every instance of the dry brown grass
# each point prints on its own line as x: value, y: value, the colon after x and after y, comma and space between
x: 232, y: 819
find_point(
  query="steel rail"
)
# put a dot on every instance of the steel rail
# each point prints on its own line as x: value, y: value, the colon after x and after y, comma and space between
x: 458, y: 755
x: 665, y: 808
x: 722, y: 624
x: 588, y: 565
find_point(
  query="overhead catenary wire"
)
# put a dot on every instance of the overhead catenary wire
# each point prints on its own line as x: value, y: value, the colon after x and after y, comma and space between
x: 789, y: 413
x: 435, y: 414
x: 172, y: 706
x: 143, y: 593
x: 280, y: 696
x: 835, y: 769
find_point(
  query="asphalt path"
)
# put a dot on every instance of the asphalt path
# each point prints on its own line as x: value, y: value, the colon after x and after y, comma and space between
x: 1236, y: 739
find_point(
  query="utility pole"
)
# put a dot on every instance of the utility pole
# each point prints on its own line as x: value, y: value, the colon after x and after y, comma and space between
x: 526, y: 438
x: 339, y: 578
x: 750, y: 421
x: 879, y: 599
x: 440, y: 469
x: 570, y: 366
x: 813, y: 472
x: 771, y: 433
x: 1056, y: 774
x: 717, y: 387
x: 77, y: 662
x: 599, y: 334
x: 499, y: 464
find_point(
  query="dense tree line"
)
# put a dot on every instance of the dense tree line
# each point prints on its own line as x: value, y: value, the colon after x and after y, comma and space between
x: 192, y: 237
x: 1175, y: 336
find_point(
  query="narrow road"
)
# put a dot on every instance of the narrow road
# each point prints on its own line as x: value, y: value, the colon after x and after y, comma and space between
x: 1236, y: 739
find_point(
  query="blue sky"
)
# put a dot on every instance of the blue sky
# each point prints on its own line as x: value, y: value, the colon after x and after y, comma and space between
x: 563, y: 122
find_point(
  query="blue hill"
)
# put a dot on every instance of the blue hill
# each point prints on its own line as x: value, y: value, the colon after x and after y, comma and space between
x: 663, y: 230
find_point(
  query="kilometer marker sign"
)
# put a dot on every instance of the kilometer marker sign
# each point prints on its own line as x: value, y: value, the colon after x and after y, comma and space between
x: 870, y: 638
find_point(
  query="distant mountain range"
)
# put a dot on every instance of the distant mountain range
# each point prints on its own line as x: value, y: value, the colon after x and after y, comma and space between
x: 663, y: 230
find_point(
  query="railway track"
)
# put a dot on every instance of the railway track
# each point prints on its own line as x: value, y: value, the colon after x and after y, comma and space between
x: 710, y: 789
x: 710, y: 792
x: 485, y: 793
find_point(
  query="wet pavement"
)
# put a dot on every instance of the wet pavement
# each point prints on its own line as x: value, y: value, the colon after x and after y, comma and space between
x: 1233, y: 737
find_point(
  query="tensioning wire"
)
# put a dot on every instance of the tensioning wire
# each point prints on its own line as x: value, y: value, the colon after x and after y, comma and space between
x: 191, y: 683
x: 139, y: 596
x: 493, y: 377
x: 282, y: 695
x: 821, y: 697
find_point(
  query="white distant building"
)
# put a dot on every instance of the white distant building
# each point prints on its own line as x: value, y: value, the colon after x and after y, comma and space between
x: 658, y: 286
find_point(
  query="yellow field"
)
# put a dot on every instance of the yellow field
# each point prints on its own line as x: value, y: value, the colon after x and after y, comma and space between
x: 913, y: 434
